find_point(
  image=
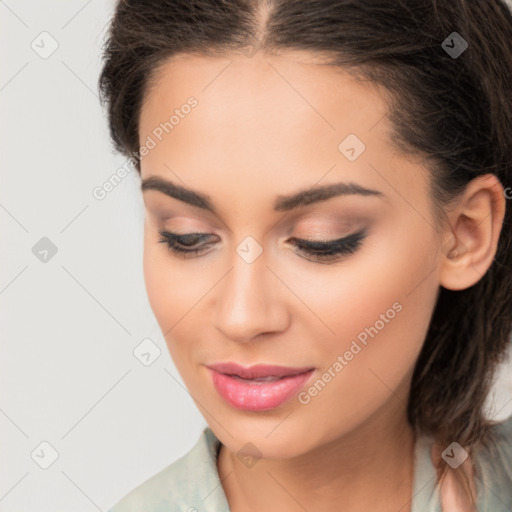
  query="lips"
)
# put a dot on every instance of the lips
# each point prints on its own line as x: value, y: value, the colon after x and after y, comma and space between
x: 259, y: 387
x: 258, y: 371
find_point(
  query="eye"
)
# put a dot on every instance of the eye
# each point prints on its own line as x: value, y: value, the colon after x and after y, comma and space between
x: 331, y: 249
x: 183, y: 245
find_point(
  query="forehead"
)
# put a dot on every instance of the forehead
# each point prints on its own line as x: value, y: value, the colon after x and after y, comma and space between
x: 264, y: 95
x: 273, y: 120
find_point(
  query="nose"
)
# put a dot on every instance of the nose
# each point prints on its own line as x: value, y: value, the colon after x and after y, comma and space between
x: 250, y: 301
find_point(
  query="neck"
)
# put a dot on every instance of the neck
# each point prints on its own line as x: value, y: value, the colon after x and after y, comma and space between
x: 370, y: 468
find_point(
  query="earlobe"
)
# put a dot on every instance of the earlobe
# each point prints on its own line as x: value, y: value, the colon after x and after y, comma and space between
x: 475, y: 224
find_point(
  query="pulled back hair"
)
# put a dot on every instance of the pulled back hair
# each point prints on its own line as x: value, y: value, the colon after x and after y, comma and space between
x: 454, y: 113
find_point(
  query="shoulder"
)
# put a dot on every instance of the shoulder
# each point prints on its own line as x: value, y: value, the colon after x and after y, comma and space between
x: 495, y: 468
x: 181, y: 486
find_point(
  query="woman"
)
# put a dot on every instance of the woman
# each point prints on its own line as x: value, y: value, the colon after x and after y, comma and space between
x: 327, y: 245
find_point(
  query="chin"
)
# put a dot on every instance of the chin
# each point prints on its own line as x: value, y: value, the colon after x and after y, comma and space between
x: 267, y: 439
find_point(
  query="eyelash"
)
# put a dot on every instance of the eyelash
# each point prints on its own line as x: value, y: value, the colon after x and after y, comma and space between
x: 321, y: 251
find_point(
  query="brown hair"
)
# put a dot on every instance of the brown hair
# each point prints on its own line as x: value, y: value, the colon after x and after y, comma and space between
x: 455, y: 112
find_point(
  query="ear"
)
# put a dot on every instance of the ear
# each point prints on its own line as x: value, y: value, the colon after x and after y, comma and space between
x: 475, y: 227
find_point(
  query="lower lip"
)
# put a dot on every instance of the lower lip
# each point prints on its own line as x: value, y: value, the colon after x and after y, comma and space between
x: 262, y: 396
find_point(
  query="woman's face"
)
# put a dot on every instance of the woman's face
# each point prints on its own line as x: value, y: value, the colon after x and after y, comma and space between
x: 248, y: 132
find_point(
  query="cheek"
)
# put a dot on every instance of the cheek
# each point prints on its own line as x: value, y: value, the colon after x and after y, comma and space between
x: 175, y: 290
x: 155, y: 276
x: 391, y: 272
x: 380, y: 314
x: 165, y: 284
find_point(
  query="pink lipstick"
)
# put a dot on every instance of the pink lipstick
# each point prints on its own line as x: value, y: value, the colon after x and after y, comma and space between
x: 259, y: 387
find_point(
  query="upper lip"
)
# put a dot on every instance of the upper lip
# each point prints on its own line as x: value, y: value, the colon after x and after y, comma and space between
x: 257, y: 370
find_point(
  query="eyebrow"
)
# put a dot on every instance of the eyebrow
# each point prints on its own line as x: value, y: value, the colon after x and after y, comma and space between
x: 283, y: 202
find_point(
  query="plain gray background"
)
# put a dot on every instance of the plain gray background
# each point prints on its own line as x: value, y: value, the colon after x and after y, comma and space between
x: 71, y: 319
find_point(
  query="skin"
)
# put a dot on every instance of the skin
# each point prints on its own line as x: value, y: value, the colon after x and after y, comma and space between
x: 267, y: 126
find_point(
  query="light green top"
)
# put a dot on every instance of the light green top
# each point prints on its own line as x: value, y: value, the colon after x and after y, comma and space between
x: 192, y: 484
